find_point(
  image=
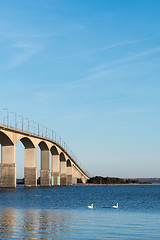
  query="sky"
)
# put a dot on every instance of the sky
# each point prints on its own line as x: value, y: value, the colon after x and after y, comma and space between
x: 89, y: 70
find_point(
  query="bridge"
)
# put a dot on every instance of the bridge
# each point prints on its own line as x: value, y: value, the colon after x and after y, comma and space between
x: 64, y: 171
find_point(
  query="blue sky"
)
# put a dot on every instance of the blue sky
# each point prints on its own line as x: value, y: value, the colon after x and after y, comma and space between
x: 90, y: 71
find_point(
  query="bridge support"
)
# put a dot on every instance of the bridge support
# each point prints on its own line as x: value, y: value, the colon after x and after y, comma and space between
x: 30, y: 168
x: 55, y: 178
x: 79, y: 177
x: 8, y: 167
x: 45, y: 169
x: 30, y: 176
x: 45, y: 178
x: 69, y: 175
x: 74, y: 175
x: 63, y: 174
x: 84, y: 180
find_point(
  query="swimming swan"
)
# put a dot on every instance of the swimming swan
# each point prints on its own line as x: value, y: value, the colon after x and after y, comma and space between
x: 90, y: 206
x: 116, y: 206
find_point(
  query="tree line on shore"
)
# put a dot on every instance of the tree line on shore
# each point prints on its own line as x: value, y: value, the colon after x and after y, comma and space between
x: 111, y: 180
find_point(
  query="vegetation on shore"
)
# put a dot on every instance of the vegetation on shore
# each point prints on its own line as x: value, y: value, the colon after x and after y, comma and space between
x: 111, y: 180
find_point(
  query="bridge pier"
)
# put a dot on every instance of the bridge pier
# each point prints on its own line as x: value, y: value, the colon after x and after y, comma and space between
x: 55, y: 179
x: 69, y: 172
x: 63, y: 179
x: 74, y: 175
x: 8, y: 167
x: 84, y: 180
x: 30, y: 167
x: 45, y: 178
x: 30, y: 177
x: 45, y: 168
x: 55, y: 171
x: 63, y: 173
x: 69, y: 176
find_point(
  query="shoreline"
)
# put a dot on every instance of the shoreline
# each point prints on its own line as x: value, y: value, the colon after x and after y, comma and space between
x: 125, y: 184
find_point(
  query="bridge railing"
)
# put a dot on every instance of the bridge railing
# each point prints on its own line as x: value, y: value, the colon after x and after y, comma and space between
x: 21, y: 123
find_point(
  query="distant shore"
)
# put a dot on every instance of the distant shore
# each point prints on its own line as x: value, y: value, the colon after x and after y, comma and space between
x: 99, y: 180
x: 126, y: 184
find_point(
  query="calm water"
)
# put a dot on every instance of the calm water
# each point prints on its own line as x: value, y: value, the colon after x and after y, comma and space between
x: 61, y: 213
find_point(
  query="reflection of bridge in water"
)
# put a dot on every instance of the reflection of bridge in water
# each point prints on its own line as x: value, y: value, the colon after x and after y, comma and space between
x: 65, y: 170
x: 36, y: 224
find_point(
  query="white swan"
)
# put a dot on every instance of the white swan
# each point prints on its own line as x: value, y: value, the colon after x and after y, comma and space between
x: 90, y: 206
x: 116, y: 206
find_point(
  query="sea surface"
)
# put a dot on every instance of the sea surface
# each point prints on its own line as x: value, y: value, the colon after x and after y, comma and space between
x: 61, y: 213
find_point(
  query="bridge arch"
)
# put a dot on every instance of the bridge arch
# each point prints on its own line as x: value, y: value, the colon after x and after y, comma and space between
x: 62, y: 157
x: 43, y: 146
x: 54, y: 150
x: 5, y: 140
x: 27, y: 142
x: 69, y: 163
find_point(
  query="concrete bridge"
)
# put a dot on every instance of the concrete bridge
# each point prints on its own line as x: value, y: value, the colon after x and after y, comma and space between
x: 65, y: 170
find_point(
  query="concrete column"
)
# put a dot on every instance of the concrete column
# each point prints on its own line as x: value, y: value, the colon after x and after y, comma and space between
x: 63, y: 174
x: 78, y: 176
x: 45, y: 168
x: 55, y: 171
x: 69, y: 175
x: 74, y: 175
x: 84, y: 180
x: 8, y: 167
x: 30, y: 167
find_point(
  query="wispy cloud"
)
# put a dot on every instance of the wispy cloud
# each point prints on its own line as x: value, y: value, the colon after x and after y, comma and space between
x: 104, y: 70
x: 123, y: 43
x: 18, y: 45
x: 21, y: 52
x: 129, y: 111
x: 107, y: 47
x: 83, y: 113
x: 110, y: 68
x: 25, y: 44
x: 127, y: 59
x: 114, y: 45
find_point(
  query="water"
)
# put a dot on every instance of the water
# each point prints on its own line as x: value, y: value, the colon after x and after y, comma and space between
x: 61, y: 213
